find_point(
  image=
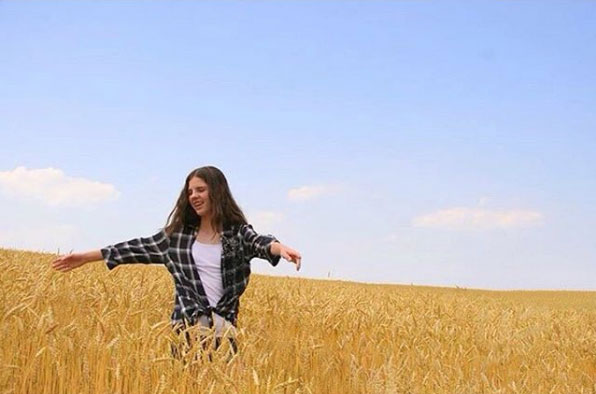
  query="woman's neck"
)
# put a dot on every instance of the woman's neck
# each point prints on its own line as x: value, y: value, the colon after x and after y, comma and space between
x: 205, y: 226
x: 206, y: 234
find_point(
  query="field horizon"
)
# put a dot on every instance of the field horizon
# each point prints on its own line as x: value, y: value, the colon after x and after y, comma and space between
x: 332, y: 279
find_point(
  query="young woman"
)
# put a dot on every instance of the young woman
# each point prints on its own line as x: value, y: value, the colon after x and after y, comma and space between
x: 207, y: 246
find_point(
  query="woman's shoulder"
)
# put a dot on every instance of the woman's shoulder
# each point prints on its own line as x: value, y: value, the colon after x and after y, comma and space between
x: 236, y: 229
x: 233, y: 228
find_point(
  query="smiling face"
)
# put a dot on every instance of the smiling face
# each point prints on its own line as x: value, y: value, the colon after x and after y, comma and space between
x: 205, y: 198
x: 198, y: 196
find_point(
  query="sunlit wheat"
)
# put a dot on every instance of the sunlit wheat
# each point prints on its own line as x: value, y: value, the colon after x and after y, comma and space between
x: 98, y: 331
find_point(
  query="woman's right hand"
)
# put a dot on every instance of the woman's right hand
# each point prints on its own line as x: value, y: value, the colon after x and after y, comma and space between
x: 68, y: 262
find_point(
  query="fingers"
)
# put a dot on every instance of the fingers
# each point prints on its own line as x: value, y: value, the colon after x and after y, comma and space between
x: 289, y: 256
x: 286, y: 256
x: 294, y: 257
x: 62, y: 267
x: 61, y: 264
x: 56, y: 263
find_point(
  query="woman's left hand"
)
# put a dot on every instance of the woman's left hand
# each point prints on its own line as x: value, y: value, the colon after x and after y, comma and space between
x: 289, y: 254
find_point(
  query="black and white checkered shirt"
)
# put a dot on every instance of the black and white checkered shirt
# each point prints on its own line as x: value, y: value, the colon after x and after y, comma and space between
x: 240, y: 243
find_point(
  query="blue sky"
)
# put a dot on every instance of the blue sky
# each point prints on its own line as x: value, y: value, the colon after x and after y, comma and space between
x: 435, y: 143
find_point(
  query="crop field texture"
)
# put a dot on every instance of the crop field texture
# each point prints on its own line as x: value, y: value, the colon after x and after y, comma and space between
x: 97, y: 331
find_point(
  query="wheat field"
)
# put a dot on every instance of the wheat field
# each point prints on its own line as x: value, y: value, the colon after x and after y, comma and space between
x: 96, y: 331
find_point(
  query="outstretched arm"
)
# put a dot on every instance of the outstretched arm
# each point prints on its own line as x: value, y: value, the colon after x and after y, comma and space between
x: 153, y: 249
x: 74, y: 260
x: 146, y: 250
x: 267, y: 247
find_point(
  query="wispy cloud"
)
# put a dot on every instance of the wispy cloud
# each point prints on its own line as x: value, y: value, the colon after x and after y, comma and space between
x: 478, y: 218
x: 311, y: 192
x: 51, y: 186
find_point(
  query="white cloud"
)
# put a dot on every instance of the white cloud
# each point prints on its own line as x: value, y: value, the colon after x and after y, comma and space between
x: 312, y: 192
x: 265, y: 221
x: 477, y: 218
x: 53, y: 187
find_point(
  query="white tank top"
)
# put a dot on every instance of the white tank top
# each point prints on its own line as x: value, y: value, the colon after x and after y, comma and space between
x: 207, y: 257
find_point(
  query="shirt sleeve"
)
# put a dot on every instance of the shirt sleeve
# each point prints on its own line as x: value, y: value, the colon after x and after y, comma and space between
x: 149, y: 250
x: 258, y: 245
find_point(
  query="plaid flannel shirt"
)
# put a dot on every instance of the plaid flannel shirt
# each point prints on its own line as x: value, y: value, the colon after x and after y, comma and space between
x: 240, y: 244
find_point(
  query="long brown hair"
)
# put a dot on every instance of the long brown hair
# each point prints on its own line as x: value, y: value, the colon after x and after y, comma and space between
x: 225, y: 211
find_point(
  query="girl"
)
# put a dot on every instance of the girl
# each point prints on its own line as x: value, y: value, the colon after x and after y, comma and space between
x: 207, y: 246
